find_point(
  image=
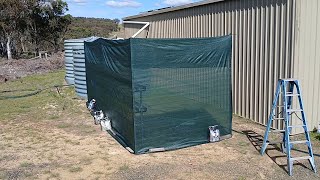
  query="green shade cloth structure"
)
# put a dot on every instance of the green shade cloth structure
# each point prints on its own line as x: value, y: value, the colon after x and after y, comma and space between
x: 162, y: 93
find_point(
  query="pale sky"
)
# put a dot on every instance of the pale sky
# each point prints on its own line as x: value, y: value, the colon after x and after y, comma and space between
x: 117, y: 8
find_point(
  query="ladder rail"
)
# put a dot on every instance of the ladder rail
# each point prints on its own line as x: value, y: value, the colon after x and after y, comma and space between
x: 270, y: 120
x: 290, y: 98
x: 287, y: 140
x: 306, y: 129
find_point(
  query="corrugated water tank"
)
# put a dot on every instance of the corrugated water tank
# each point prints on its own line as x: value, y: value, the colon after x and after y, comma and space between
x: 68, y: 59
x: 79, y: 67
x: 75, y: 64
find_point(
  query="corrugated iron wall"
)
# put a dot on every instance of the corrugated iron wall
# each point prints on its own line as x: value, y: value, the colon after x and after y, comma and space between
x: 263, y: 43
x: 307, y: 57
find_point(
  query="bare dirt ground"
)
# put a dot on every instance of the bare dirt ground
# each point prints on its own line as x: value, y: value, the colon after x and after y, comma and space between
x: 55, y: 138
x: 16, y: 69
x: 63, y: 153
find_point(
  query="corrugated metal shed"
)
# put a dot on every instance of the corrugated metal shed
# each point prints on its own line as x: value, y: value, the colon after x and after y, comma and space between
x: 272, y: 39
x: 306, y: 64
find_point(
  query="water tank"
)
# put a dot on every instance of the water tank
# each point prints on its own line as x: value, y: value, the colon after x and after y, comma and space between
x: 75, y: 64
x: 68, y: 60
x: 79, y: 67
x: 68, y: 49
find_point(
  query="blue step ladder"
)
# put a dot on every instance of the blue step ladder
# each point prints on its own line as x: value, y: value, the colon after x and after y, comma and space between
x: 285, y: 88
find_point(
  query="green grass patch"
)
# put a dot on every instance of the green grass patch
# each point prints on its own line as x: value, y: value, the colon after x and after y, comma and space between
x: 36, y: 97
x: 315, y: 136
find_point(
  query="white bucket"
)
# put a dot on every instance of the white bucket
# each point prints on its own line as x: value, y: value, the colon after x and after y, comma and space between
x: 214, y: 134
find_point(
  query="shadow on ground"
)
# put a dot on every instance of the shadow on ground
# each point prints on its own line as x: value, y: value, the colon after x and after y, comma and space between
x: 257, y: 141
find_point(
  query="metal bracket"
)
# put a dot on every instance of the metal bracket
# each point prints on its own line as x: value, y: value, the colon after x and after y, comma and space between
x: 146, y: 24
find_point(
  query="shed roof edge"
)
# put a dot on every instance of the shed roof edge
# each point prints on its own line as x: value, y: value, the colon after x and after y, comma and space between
x: 186, y: 6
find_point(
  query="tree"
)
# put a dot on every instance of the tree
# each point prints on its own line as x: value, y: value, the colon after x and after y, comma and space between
x: 42, y: 24
x: 12, y: 19
x: 37, y: 21
x: 117, y: 21
x: 48, y: 23
x: 86, y: 27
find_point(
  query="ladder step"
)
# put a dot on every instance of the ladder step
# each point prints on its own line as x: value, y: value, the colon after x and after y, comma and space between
x: 277, y: 131
x: 275, y: 142
x: 278, y: 118
x: 290, y: 79
x: 292, y: 94
x: 300, y: 158
x: 294, y: 110
x: 298, y: 126
x: 298, y: 142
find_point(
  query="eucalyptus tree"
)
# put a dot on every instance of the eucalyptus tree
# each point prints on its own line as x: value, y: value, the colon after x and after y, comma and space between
x: 13, y: 16
x: 36, y: 20
x: 49, y: 23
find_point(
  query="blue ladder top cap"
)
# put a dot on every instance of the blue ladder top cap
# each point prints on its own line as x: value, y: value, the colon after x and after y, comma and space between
x: 289, y: 79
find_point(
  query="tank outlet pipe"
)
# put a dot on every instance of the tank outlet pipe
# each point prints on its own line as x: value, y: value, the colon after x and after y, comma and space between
x: 146, y: 24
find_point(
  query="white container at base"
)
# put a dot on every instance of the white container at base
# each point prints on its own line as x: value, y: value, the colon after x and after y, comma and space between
x: 214, y: 134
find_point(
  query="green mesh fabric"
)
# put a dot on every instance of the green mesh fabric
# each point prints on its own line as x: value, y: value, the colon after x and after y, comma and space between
x: 109, y: 81
x: 162, y: 93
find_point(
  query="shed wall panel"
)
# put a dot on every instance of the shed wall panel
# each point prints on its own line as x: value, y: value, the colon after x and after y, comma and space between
x: 306, y: 62
x: 131, y: 29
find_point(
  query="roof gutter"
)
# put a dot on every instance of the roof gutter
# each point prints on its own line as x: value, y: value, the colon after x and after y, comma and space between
x: 146, y: 24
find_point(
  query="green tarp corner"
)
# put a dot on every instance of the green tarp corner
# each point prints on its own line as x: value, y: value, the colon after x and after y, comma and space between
x: 162, y: 93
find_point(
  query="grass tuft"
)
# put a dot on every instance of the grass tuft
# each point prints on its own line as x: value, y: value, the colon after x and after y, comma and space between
x: 26, y: 164
x: 315, y: 136
x: 75, y: 169
x: 124, y: 167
